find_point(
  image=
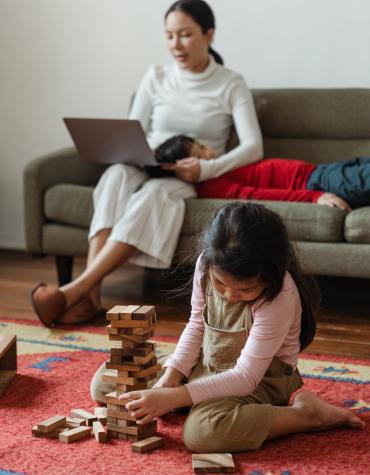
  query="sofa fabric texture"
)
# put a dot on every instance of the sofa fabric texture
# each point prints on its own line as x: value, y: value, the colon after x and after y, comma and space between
x: 317, y: 125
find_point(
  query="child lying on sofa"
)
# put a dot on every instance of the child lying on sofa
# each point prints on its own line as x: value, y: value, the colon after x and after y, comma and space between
x: 343, y: 184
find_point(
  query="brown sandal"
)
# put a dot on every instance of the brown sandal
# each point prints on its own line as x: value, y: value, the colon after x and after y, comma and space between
x: 48, y: 303
x: 82, y: 311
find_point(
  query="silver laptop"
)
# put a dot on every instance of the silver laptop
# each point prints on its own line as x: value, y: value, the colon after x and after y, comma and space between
x: 111, y: 141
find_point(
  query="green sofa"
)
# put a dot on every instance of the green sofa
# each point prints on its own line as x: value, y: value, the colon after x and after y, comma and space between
x: 317, y: 125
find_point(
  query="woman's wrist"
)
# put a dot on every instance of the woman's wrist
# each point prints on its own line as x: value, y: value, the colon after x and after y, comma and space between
x: 174, y: 374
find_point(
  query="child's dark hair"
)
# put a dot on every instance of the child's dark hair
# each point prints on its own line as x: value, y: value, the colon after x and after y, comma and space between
x: 202, y: 14
x: 173, y: 149
x: 248, y: 240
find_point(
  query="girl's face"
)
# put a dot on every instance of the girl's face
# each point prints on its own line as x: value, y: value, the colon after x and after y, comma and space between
x: 235, y: 290
x: 187, y: 42
x: 201, y: 151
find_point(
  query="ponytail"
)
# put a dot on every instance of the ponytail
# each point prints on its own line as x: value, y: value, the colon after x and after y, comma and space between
x: 217, y: 57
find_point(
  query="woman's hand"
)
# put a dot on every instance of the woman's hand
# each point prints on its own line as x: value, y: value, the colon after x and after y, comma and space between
x: 149, y: 404
x: 187, y: 169
x: 334, y: 201
x: 172, y: 378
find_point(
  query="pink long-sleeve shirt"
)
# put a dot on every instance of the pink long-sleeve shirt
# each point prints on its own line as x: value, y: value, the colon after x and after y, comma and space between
x: 275, y: 332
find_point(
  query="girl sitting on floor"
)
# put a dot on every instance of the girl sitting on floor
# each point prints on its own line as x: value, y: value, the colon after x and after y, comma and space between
x: 235, y: 364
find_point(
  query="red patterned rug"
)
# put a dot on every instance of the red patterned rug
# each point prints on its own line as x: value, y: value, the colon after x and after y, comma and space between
x: 54, y: 372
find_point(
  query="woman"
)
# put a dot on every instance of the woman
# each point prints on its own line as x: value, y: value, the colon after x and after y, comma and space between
x: 138, y: 219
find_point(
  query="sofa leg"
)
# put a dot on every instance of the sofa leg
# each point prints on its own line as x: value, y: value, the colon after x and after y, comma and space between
x: 64, y: 269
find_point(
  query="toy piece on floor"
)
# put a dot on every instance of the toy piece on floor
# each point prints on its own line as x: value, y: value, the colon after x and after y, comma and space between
x: 130, y: 367
x: 8, y: 360
x: 213, y: 463
x: 82, y: 414
x: 54, y: 434
x: 75, y: 434
x: 50, y: 424
x: 99, y: 431
x: 147, y: 445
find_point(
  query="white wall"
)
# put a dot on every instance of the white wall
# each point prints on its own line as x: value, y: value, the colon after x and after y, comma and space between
x: 85, y: 58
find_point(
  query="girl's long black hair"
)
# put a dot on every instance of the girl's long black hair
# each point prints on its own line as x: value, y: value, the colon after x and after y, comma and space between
x: 248, y: 240
x: 202, y: 14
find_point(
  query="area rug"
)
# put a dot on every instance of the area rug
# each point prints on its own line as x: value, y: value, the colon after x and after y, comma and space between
x: 54, y: 372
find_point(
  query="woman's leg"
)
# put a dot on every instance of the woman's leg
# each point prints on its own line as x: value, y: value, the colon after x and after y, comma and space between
x: 96, y: 243
x: 111, y: 256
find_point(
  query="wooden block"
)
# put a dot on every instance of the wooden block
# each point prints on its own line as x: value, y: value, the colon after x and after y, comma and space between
x: 113, y: 313
x: 122, y: 352
x: 147, y: 445
x: 101, y: 414
x: 134, y: 387
x: 99, y: 431
x: 213, y: 463
x: 124, y: 367
x: 147, y: 429
x: 75, y: 434
x: 54, y: 434
x: 115, y: 414
x: 144, y: 312
x: 148, y: 331
x: 121, y: 436
x: 109, y: 378
x: 72, y: 422
x: 112, y: 398
x: 130, y: 324
x: 50, y: 424
x: 144, y: 349
x: 82, y: 414
x: 125, y: 338
x: 8, y: 352
x: 152, y: 370
x: 142, y: 360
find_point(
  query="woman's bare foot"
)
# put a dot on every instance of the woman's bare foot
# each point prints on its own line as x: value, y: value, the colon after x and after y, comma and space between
x: 324, y: 416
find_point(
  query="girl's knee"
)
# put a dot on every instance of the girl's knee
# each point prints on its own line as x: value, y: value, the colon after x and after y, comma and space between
x: 196, y: 435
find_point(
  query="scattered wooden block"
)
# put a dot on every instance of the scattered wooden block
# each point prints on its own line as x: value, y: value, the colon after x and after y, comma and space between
x: 82, y: 414
x: 75, y: 434
x: 101, y: 414
x: 213, y: 463
x: 72, y: 422
x: 54, y: 434
x: 8, y: 360
x: 99, y: 431
x: 50, y: 424
x: 147, y: 445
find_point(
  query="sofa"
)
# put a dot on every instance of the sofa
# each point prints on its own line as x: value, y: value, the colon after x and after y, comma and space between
x: 317, y: 125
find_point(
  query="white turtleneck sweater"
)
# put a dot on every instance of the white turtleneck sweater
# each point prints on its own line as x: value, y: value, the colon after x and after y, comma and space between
x: 172, y: 101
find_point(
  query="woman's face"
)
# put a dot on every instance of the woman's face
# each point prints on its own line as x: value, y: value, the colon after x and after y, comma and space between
x: 187, y: 42
x: 234, y: 290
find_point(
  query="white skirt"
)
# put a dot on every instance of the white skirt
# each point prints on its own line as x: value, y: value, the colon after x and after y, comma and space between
x: 145, y: 213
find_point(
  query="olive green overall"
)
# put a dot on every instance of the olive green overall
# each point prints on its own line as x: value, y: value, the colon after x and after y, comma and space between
x: 234, y: 423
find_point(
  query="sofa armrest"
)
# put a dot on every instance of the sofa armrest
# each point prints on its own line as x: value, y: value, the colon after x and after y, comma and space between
x: 63, y: 166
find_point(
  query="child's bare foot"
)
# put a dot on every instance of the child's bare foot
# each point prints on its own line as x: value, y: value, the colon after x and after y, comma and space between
x: 323, y: 415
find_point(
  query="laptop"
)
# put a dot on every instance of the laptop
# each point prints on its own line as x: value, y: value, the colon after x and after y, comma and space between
x: 111, y: 141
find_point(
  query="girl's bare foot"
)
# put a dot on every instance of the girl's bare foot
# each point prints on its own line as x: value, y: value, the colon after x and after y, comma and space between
x: 322, y: 415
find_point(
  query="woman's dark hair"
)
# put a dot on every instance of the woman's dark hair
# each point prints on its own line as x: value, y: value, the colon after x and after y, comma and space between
x: 247, y: 240
x: 202, y: 14
x: 173, y: 149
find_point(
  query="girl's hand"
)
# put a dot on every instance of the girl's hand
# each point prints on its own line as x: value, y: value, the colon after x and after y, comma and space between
x: 187, y: 169
x: 334, y: 201
x: 172, y: 378
x: 149, y: 404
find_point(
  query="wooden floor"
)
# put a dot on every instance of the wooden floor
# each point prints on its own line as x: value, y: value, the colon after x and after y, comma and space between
x: 343, y: 323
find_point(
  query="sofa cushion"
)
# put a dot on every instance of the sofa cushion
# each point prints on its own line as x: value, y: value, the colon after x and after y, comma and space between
x: 357, y: 225
x: 69, y: 204
x: 72, y: 205
x: 304, y: 221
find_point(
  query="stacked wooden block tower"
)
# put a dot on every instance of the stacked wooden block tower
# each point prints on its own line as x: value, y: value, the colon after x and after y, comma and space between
x: 131, y: 365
